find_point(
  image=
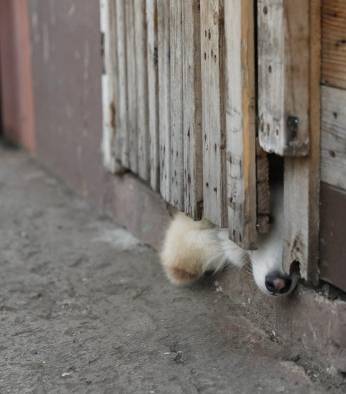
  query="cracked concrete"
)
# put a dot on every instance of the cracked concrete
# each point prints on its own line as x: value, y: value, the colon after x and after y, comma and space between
x: 85, y: 308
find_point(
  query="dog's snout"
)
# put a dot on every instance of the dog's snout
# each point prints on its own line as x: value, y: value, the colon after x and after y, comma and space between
x: 278, y: 283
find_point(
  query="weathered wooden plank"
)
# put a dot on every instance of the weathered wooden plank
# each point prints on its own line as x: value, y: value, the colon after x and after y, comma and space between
x: 334, y: 43
x: 142, y: 90
x: 176, y: 105
x: 164, y: 96
x: 333, y: 137
x: 108, y: 85
x: 213, y: 120
x: 302, y: 175
x: 263, y: 191
x: 192, y: 110
x: 131, y: 80
x: 121, y: 144
x: 153, y: 91
x: 283, y: 69
x: 240, y: 122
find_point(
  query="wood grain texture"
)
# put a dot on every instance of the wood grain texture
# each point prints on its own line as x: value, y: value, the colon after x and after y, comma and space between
x: 176, y: 105
x: 283, y: 69
x: 334, y: 43
x: 131, y: 80
x: 121, y: 144
x: 240, y: 122
x: 142, y: 91
x: 333, y: 137
x: 213, y: 119
x: 153, y: 92
x: 192, y: 110
x: 302, y: 175
x: 164, y: 97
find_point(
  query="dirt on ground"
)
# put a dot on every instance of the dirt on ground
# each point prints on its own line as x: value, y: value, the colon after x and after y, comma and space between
x: 85, y: 308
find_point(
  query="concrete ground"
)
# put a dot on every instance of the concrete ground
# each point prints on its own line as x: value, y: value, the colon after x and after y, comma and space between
x: 85, y: 308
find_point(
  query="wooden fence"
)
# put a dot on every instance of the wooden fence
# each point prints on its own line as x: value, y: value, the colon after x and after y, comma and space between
x: 184, y: 83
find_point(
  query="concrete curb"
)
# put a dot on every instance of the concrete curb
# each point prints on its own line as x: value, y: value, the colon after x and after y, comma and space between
x: 306, y: 321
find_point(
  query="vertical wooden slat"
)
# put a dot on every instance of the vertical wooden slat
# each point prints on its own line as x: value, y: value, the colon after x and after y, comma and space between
x: 108, y: 85
x: 131, y: 85
x: 192, y: 110
x: 142, y: 90
x: 176, y: 105
x: 240, y: 121
x: 164, y: 95
x: 214, y: 144
x: 283, y: 69
x: 121, y: 144
x: 152, y: 56
x: 302, y: 178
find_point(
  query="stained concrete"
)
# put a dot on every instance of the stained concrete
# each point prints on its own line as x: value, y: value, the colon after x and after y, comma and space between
x: 85, y: 308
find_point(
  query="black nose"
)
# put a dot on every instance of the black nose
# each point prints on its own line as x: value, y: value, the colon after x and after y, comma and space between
x: 278, y: 283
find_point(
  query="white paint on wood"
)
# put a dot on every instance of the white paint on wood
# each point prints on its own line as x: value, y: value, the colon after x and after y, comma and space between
x: 192, y: 110
x: 214, y: 144
x: 283, y: 72
x: 240, y: 122
x: 164, y: 95
x: 333, y: 137
x: 152, y: 57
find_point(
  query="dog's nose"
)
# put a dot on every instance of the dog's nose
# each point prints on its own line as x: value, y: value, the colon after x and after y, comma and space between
x: 278, y: 283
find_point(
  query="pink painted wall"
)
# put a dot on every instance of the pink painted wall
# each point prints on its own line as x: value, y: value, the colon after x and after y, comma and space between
x: 16, y: 73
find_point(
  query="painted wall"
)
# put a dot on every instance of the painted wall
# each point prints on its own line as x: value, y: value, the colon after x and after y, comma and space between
x: 15, y: 69
x: 67, y: 67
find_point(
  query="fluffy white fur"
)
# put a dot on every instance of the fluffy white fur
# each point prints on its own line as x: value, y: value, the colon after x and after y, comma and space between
x: 191, y: 248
